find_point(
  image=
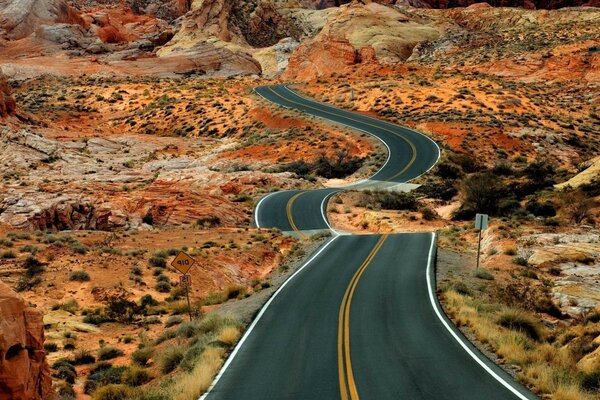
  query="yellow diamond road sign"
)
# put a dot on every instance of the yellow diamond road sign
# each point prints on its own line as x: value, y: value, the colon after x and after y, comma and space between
x: 183, y: 262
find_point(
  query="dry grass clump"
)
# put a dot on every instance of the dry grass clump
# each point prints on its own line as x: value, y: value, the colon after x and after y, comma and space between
x: 518, y: 337
x: 229, y: 335
x: 194, y: 384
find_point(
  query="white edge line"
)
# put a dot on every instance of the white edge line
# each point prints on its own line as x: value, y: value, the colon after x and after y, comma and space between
x: 460, y: 341
x: 323, y: 212
x: 258, y: 206
x: 259, y: 316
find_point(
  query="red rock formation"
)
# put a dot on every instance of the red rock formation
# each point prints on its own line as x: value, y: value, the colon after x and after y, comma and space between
x: 19, y: 18
x: 530, y: 4
x: 24, y: 373
x: 315, y: 58
x: 7, y: 103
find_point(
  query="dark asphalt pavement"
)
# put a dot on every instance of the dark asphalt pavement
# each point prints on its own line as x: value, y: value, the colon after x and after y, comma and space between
x: 360, y: 319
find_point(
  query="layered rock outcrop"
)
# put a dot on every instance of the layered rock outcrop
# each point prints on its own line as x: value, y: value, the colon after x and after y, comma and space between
x: 7, y: 102
x: 21, y: 18
x: 24, y: 373
x: 359, y: 34
x: 529, y: 4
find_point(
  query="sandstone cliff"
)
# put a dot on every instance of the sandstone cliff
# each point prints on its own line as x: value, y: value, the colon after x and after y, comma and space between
x: 7, y: 103
x: 24, y: 373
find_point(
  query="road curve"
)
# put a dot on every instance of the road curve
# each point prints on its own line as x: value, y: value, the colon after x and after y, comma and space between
x: 360, y: 319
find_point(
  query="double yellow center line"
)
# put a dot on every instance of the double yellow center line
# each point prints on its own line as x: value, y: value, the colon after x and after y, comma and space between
x: 295, y: 197
x: 288, y: 210
x: 346, y: 375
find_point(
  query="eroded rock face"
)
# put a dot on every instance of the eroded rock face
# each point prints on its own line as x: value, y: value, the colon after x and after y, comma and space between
x: 24, y: 373
x: 344, y: 42
x: 530, y: 4
x: 7, y: 102
x: 20, y: 18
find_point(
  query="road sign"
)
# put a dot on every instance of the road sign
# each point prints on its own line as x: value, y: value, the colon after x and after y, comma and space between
x: 185, y: 281
x: 481, y: 222
x: 183, y: 262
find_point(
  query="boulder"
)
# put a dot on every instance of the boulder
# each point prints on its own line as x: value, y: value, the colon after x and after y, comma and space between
x: 24, y: 372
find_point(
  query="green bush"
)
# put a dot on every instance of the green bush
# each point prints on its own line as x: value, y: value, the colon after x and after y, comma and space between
x: 113, y: 392
x: 482, y: 273
x: 64, y: 370
x: 163, y: 287
x: 108, y: 353
x: 103, y: 374
x: 33, y: 266
x: 591, y: 381
x: 158, y: 261
x: 83, y: 357
x: 79, y: 276
x: 173, y: 320
x: 147, y: 301
x: 521, y: 322
x: 8, y: 254
x: 141, y: 356
x: 170, y: 359
x: 458, y: 287
x: 136, y: 376
x: 50, y: 347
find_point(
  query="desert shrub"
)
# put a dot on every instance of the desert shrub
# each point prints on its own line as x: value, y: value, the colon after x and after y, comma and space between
x: 69, y: 344
x: 96, y: 317
x: 147, y: 301
x: 591, y: 381
x: 528, y: 273
x: 136, y: 376
x: 8, y: 254
x: 540, y: 172
x: 521, y: 322
x: 503, y: 169
x: 50, y: 347
x: 121, y: 310
x: 208, y: 221
x: 521, y: 260
x: 340, y: 167
x: 300, y: 168
x: 170, y: 359
x: 108, y: 353
x: 141, y: 356
x: 233, y: 292
x: 482, y: 193
x: 79, y: 276
x: 64, y: 370
x: 591, y: 189
x: 70, y: 306
x: 458, y: 287
x: 158, y: 261
x: 545, y: 209
x: 482, y: 273
x: 64, y: 390
x: 103, y: 374
x: 448, y: 170
x: 466, y: 162
x: 163, y: 287
x: 162, y: 278
x: 33, y: 266
x: 173, y: 320
x: 148, y: 219
x: 442, y: 191
x: 136, y: 270
x: 79, y: 248
x: 389, y: 200
x: 29, y: 248
x: 523, y: 295
x: 113, y: 392
x: 83, y: 357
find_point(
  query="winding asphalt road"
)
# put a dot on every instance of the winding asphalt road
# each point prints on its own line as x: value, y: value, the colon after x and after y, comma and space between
x: 360, y: 318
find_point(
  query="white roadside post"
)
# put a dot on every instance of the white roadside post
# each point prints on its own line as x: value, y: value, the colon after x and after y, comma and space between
x: 481, y: 223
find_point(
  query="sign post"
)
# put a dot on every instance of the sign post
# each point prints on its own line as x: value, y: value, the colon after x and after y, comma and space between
x: 183, y: 263
x: 481, y: 223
